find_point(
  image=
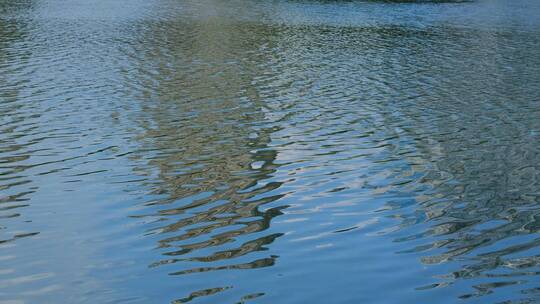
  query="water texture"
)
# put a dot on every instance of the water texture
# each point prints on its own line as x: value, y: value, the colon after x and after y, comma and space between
x: 281, y: 151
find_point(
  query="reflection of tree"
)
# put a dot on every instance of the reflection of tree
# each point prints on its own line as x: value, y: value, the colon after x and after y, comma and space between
x: 13, y: 55
x: 203, y: 124
x: 466, y: 124
x: 14, y: 117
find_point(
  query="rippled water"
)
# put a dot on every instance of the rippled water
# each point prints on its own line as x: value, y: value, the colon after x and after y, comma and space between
x: 274, y: 151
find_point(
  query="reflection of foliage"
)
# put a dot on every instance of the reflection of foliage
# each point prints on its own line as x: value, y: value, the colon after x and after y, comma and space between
x: 203, y: 123
x: 476, y: 155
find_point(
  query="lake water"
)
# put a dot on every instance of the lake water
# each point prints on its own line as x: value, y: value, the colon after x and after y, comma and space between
x: 281, y: 151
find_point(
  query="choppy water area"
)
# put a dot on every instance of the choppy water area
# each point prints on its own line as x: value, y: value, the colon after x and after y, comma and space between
x: 275, y: 151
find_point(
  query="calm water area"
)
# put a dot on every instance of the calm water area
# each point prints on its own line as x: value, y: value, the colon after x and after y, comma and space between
x: 280, y: 151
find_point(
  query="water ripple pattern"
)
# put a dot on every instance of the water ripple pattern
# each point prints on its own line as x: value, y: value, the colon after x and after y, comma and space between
x: 269, y: 151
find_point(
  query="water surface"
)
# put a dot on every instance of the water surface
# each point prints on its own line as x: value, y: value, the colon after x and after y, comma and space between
x: 277, y: 151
